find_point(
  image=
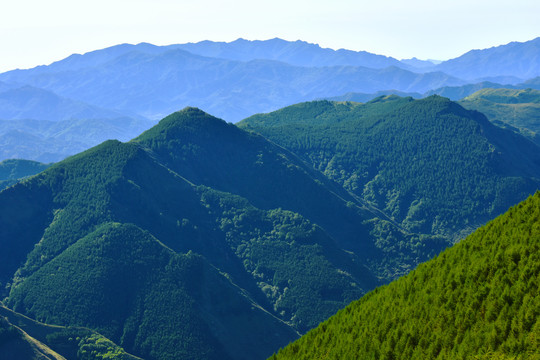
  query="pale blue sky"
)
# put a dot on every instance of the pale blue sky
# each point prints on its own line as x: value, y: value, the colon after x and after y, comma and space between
x: 34, y: 32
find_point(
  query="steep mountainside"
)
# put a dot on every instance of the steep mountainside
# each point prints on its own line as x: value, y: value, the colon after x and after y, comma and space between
x: 515, y: 109
x: 255, y: 245
x: 430, y: 165
x: 479, y: 299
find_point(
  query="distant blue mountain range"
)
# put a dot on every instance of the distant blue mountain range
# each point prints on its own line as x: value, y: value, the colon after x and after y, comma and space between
x: 238, y: 79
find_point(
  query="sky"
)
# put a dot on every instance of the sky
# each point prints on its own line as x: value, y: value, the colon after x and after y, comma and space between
x: 36, y: 32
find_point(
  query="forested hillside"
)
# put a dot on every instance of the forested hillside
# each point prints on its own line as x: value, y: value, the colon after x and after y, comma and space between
x: 256, y: 246
x: 430, y: 165
x: 518, y: 110
x: 14, y: 170
x: 479, y: 299
x: 203, y: 234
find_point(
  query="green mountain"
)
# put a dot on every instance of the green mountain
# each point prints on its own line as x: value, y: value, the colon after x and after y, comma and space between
x: 518, y: 110
x: 479, y: 299
x: 201, y: 240
x: 429, y: 165
x: 14, y: 170
x: 195, y: 233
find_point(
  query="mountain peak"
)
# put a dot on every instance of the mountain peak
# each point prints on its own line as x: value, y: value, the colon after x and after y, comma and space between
x: 187, y: 120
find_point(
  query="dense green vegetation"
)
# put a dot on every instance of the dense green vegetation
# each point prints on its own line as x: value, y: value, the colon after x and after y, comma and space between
x: 271, y: 177
x: 133, y: 239
x: 518, y: 110
x: 124, y: 283
x: 200, y: 240
x: 479, y: 299
x: 429, y: 165
x: 54, y: 341
x: 14, y: 170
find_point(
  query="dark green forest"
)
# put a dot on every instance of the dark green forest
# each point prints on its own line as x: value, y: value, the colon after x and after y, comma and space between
x: 14, y: 170
x: 429, y: 165
x: 200, y: 239
x: 477, y: 300
x: 116, y: 237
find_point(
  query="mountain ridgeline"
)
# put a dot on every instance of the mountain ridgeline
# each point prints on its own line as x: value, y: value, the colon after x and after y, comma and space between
x: 518, y: 110
x: 53, y: 111
x: 479, y: 299
x: 195, y: 222
x: 429, y: 165
x: 200, y: 239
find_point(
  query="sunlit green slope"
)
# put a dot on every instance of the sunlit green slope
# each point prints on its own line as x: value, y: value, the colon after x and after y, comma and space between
x: 477, y: 300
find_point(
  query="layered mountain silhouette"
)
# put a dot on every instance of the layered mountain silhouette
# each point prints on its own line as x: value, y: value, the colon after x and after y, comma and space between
x: 125, y: 84
x: 52, y: 141
x: 37, y: 124
x: 153, y: 80
x: 33, y: 103
x: 153, y: 84
x: 298, y: 53
x: 519, y: 60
